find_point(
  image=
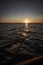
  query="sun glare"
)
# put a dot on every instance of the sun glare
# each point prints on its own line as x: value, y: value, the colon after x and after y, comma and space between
x: 26, y: 23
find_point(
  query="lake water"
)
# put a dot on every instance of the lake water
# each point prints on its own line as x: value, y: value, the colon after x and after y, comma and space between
x: 22, y: 39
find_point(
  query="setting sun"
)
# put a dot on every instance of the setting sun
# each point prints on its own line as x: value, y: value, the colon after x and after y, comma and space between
x: 26, y: 21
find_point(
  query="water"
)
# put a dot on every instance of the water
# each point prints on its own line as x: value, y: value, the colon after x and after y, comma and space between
x: 20, y: 39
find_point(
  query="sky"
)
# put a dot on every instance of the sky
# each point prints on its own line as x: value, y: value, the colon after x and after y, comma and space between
x: 17, y: 11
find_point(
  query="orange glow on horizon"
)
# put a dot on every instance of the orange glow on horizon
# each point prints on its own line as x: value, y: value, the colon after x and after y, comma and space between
x: 13, y: 20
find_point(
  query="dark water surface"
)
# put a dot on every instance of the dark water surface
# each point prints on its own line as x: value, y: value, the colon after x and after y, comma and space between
x: 19, y: 39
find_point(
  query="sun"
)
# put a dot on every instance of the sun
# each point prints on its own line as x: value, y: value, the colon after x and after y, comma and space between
x: 26, y: 21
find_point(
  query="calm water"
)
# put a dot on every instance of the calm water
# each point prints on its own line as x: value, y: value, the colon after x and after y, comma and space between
x: 22, y: 39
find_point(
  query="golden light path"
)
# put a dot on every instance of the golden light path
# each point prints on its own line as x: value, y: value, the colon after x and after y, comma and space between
x: 26, y: 25
x: 26, y: 22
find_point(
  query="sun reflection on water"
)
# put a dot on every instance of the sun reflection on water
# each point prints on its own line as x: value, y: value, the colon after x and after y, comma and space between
x: 24, y: 34
x: 26, y: 25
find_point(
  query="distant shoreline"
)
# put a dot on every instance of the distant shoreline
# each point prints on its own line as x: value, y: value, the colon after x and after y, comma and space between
x: 21, y: 23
